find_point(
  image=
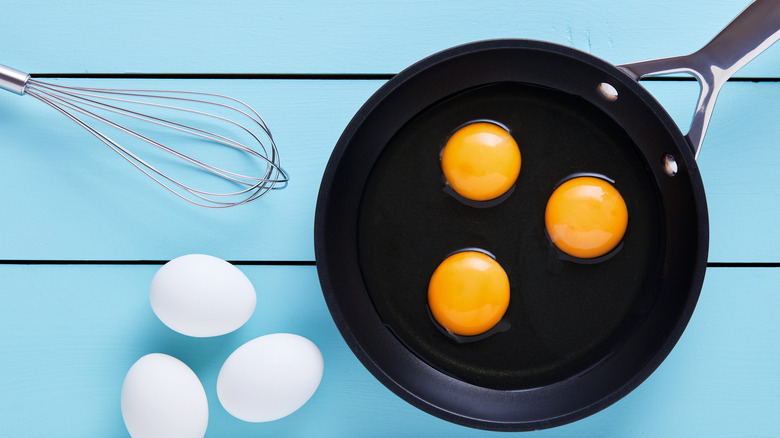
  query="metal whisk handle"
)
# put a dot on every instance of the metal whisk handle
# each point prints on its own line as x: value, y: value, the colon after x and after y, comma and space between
x: 13, y: 80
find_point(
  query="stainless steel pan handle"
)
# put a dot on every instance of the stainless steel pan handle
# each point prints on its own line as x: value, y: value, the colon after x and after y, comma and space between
x: 754, y: 30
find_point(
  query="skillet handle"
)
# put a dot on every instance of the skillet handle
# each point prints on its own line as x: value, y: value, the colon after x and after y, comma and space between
x: 750, y: 33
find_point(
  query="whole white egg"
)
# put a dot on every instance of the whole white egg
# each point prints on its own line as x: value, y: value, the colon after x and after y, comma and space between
x: 269, y: 377
x: 200, y: 295
x: 163, y: 398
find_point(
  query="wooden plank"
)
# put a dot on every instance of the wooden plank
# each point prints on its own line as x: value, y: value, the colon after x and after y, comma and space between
x: 72, y: 332
x: 68, y: 197
x: 72, y: 193
x: 344, y: 36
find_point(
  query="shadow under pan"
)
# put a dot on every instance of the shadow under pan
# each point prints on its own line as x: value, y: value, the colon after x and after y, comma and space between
x: 564, y: 317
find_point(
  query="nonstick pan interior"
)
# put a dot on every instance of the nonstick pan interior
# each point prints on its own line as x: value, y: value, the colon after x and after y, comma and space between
x: 580, y: 335
x: 564, y: 316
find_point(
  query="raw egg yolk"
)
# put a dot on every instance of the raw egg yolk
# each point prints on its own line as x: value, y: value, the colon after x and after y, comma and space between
x: 586, y: 217
x: 468, y: 293
x: 481, y: 161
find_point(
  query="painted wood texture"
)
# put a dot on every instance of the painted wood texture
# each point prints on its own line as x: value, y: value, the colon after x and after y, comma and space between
x: 344, y: 36
x: 72, y: 332
x: 73, y: 198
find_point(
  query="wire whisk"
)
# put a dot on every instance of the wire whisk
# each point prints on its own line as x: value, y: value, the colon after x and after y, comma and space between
x: 176, y: 112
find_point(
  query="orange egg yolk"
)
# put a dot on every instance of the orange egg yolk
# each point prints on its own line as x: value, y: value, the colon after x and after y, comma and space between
x: 586, y: 217
x: 481, y: 161
x: 468, y: 293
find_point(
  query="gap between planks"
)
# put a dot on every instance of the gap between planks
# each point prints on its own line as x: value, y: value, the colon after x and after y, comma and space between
x: 297, y: 263
x: 314, y: 76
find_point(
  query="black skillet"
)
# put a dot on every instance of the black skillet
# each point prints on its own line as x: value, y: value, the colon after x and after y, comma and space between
x: 577, y: 336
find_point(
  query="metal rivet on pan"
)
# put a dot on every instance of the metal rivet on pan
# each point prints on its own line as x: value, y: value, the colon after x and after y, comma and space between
x: 670, y: 165
x: 608, y: 91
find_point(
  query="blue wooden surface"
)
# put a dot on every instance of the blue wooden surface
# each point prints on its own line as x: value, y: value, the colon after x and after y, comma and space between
x: 70, y: 332
x: 342, y: 36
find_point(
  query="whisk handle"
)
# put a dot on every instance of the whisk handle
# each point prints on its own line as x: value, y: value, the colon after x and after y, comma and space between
x: 13, y: 80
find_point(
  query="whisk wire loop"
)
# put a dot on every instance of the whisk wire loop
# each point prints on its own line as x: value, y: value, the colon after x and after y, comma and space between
x: 158, y: 121
x: 143, y: 165
x: 80, y: 104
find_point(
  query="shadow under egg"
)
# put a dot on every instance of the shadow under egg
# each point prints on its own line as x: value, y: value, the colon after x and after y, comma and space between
x: 503, y: 325
x: 583, y: 261
x: 476, y: 204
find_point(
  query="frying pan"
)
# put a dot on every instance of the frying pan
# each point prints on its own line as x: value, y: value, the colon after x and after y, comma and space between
x: 576, y: 336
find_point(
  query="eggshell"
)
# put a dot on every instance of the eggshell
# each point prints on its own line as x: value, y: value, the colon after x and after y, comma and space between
x: 200, y: 295
x: 163, y: 398
x: 269, y: 377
